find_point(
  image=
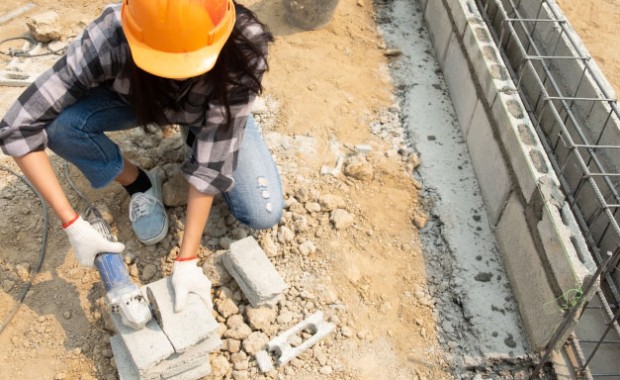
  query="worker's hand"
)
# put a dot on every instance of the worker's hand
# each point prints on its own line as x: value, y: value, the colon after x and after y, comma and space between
x: 87, y: 242
x: 188, y: 277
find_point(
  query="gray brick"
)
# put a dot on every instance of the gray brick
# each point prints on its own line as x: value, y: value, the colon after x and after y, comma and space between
x: 439, y: 27
x: 518, y: 153
x: 564, y: 263
x: 488, y: 68
x: 195, y: 373
x: 145, y: 347
x: 126, y: 368
x: 186, y: 328
x: 255, y: 274
x: 191, y: 358
x: 460, y: 83
x: 527, y: 275
x: 462, y: 12
x: 489, y: 164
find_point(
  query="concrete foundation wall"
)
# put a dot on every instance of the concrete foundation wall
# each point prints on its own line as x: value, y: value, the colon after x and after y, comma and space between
x: 541, y: 246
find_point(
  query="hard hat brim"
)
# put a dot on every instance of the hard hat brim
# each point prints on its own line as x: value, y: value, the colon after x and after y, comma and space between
x: 173, y: 65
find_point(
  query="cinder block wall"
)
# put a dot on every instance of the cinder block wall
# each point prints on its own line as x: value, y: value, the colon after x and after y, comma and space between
x: 540, y: 242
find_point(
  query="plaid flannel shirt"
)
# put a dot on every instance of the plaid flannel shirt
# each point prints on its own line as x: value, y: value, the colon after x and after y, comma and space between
x: 97, y: 57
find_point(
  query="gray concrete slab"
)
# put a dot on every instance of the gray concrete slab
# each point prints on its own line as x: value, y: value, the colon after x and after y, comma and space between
x: 440, y: 28
x: 541, y: 315
x: 145, y: 347
x: 190, y: 359
x: 187, y: 327
x: 490, y: 166
x: 460, y: 83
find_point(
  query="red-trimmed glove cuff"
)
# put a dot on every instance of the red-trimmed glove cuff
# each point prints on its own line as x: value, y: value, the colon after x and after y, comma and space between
x: 186, y: 258
x: 65, y: 225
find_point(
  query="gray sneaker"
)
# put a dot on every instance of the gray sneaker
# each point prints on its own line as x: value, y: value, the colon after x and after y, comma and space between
x: 147, y: 213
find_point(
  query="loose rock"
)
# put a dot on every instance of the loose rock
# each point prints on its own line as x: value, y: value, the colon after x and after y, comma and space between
x: 255, y: 342
x: 341, y: 219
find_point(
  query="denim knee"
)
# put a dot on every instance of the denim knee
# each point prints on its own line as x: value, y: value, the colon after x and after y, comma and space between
x: 263, y: 220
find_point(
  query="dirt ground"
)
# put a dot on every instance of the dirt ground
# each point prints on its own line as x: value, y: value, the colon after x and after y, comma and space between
x: 597, y: 24
x: 323, y: 90
x: 59, y: 332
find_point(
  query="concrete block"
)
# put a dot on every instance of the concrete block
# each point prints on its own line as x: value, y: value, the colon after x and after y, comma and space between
x: 186, y: 328
x: 602, y: 121
x: 190, y: 359
x: 193, y: 360
x: 489, y: 164
x: 485, y: 60
x: 145, y: 347
x: 592, y: 328
x: 282, y: 348
x: 462, y: 12
x: 439, y: 27
x: 255, y: 274
x: 510, y: 120
x: 564, y: 263
x: 460, y: 83
x: 124, y: 365
x: 195, y: 373
x: 527, y: 275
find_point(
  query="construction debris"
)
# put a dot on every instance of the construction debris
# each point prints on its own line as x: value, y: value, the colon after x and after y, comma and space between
x: 282, y: 347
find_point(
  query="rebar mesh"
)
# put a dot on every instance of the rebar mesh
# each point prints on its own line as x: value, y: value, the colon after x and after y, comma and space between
x: 577, y: 119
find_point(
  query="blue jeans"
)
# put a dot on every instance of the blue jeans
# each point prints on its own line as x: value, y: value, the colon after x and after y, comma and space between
x: 77, y: 135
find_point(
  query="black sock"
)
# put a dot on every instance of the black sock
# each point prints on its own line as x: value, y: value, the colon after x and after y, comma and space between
x: 140, y: 185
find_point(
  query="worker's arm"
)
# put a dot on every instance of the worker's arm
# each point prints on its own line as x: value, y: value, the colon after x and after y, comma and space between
x: 198, y: 208
x: 84, y: 239
x: 187, y: 276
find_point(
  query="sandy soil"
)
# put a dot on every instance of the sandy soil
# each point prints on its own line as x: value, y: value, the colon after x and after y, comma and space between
x: 322, y: 92
x: 597, y: 24
x: 328, y: 85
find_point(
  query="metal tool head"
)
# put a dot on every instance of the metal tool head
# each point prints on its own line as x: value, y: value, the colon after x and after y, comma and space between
x: 153, y: 304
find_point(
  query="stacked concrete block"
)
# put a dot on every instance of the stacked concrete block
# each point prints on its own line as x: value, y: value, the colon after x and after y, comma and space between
x: 172, y: 346
x: 460, y: 81
x: 542, y: 248
x: 440, y: 28
x: 527, y: 274
x: 489, y: 164
x: 255, y: 274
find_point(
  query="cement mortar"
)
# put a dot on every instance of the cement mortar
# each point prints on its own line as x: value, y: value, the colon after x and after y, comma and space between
x: 474, y: 304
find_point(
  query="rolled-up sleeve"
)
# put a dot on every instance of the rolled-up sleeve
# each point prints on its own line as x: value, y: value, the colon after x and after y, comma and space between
x: 89, y: 60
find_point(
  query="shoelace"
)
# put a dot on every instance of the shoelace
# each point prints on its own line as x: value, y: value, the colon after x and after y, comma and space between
x: 141, y: 205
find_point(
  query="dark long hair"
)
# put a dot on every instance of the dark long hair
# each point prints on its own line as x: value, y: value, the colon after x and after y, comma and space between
x: 236, y: 65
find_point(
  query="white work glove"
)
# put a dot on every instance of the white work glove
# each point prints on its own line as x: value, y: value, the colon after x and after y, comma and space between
x: 188, y: 277
x: 87, y: 242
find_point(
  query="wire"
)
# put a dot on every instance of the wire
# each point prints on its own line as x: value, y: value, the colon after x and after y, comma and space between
x: 37, y: 268
x: 25, y: 53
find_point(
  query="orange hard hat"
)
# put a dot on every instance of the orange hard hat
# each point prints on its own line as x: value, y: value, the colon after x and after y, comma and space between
x: 177, y: 38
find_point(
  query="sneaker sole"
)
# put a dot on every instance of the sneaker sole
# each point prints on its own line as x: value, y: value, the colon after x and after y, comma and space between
x: 158, y: 238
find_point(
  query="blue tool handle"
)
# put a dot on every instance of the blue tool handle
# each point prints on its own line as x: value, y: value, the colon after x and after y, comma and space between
x: 112, y: 270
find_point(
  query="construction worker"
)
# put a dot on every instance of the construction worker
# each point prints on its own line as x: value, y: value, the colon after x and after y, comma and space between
x: 195, y: 63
